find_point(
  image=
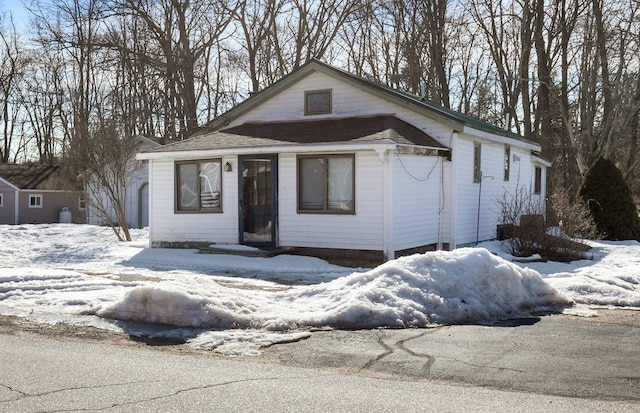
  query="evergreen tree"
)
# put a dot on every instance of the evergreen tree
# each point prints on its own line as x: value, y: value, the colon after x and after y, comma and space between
x: 609, y: 198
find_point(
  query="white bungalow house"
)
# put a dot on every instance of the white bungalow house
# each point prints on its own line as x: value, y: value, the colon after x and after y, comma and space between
x: 324, y: 159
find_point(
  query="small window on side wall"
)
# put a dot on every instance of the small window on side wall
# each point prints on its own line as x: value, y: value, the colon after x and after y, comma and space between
x: 317, y: 102
x: 507, y: 162
x: 477, y: 158
x: 82, y: 204
x: 1, y: 200
x: 35, y: 201
x: 537, y: 183
x: 199, y: 186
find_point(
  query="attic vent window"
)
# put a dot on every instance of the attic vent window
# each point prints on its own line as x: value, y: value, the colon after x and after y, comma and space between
x: 317, y: 102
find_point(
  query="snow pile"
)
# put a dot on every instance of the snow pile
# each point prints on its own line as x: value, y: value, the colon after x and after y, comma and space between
x: 466, y: 285
x: 55, y: 291
x: 69, y: 273
x: 609, y: 277
x: 243, y: 342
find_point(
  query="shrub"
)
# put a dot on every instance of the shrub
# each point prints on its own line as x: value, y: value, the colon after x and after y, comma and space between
x: 574, y: 216
x: 520, y: 235
x: 609, y: 199
x: 524, y: 232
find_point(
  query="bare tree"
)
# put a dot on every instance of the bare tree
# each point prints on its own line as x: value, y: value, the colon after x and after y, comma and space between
x: 12, y: 63
x: 183, y: 33
x: 257, y: 22
x: 104, y: 163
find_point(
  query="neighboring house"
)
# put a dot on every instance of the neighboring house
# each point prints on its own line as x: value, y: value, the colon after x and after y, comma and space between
x: 324, y: 159
x: 36, y: 194
x: 136, y: 192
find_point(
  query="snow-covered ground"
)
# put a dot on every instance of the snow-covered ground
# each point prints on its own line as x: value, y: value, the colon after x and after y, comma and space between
x: 231, y: 304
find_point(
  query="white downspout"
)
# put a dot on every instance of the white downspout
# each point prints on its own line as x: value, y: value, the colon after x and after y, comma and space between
x: 454, y: 190
x: 441, y: 199
x: 16, y: 204
x: 150, y: 203
x: 387, y: 209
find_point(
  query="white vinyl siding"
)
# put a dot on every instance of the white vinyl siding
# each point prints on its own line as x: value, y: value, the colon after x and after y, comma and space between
x: 171, y: 227
x: 362, y: 230
x: 401, y: 201
x: 493, y: 186
x: 346, y: 100
x: 417, y: 198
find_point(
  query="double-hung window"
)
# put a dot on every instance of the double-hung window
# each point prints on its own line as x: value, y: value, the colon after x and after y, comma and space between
x: 35, y: 201
x: 199, y: 186
x: 326, y: 184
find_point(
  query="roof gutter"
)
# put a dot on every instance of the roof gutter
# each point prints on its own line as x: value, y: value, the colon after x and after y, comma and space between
x: 493, y: 137
x: 332, y: 147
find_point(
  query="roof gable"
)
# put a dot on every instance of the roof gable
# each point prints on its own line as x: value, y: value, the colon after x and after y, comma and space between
x: 457, y: 121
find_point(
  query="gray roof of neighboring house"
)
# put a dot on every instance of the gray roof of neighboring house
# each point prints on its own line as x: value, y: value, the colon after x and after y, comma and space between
x: 328, y: 130
x: 38, y: 177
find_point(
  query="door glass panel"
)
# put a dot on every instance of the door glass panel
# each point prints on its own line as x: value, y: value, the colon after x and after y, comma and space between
x: 257, y: 192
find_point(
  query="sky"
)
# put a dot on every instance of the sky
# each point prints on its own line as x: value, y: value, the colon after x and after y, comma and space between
x: 18, y: 12
x: 235, y: 305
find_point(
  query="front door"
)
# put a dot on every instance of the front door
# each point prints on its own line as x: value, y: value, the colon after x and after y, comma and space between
x: 258, y: 200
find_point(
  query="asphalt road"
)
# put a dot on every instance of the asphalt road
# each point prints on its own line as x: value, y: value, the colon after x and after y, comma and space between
x: 552, y: 364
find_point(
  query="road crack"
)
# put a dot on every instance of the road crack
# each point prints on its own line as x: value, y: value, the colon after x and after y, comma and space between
x: 19, y: 393
x: 389, y: 350
x: 426, y: 368
x: 176, y: 393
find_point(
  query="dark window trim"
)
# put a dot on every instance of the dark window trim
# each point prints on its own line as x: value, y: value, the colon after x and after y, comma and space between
x: 326, y: 209
x: 477, y: 162
x: 176, y: 177
x: 537, y: 183
x: 1, y: 200
x: 307, y: 93
x: 507, y: 162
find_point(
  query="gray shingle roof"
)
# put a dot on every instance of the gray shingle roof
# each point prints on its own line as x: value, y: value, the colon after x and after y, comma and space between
x: 328, y: 130
x: 34, y: 177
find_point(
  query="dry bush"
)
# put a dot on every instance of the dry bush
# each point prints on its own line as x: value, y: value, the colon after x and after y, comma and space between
x: 520, y: 237
x: 525, y: 233
x: 574, y: 216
